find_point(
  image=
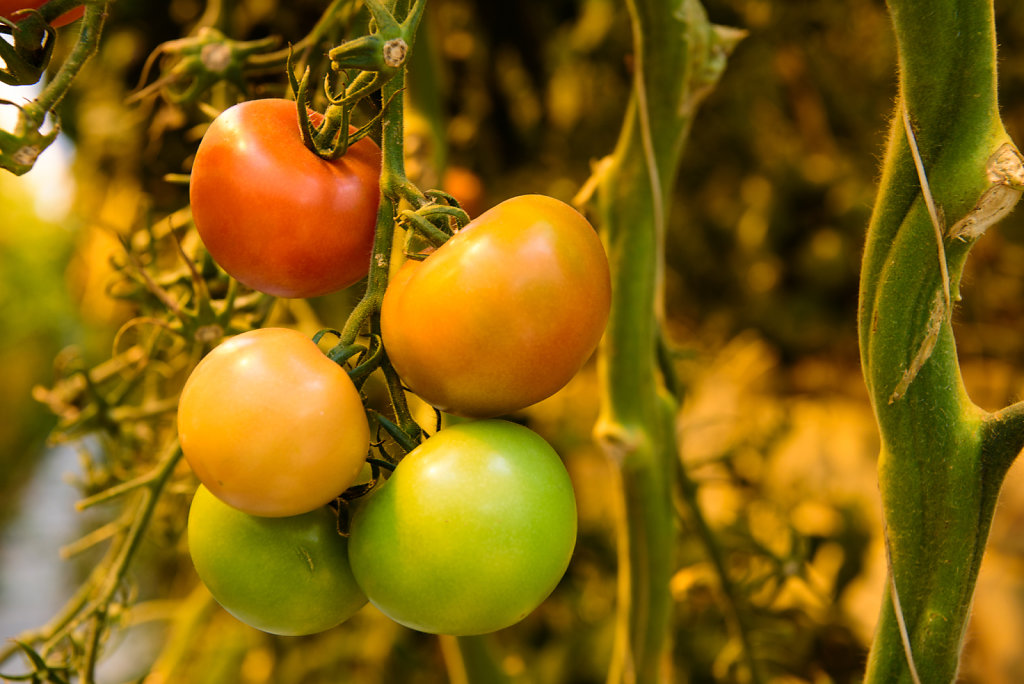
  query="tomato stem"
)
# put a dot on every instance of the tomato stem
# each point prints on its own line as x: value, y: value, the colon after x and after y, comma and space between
x: 328, y: 20
x: 425, y: 228
x: 20, y: 148
x: 85, y: 47
x: 395, y: 186
x: 942, y: 459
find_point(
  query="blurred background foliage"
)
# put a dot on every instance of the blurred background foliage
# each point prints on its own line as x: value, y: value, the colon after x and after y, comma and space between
x: 766, y: 231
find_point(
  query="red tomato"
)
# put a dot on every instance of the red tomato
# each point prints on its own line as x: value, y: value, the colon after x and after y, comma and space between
x: 9, y: 7
x: 276, y: 216
x: 504, y: 313
x: 271, y: 425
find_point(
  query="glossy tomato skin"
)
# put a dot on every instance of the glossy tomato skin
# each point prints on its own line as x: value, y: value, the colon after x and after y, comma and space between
x: 276, y: 216
x: 9, y: 7
x: 286, y: 576
x: 471, y: 532
x: 271, y: 425
x: 504, y: 313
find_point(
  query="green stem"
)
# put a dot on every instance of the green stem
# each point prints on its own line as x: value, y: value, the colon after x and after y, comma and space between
x: 87, y: 45
x: 943, y: 459
x: 20, y: 149
x: 327, y: 21
x: 392, y: 181
x: 678, y: 57
x: 394, y: 186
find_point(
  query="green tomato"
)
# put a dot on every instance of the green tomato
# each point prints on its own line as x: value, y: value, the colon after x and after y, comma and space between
x: 472, y: 531
x: 287, y: 576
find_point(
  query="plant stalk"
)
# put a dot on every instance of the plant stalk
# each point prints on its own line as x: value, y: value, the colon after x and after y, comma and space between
x: 678, y: 58
x: 950, y: 171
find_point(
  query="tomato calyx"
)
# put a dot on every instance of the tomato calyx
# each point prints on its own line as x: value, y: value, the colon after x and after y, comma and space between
x: 200, y: 62
x: 436, y: 235
x: 378, y: 57
x: 432, y: 224
x: 385, y: 50
x: 329, y: 135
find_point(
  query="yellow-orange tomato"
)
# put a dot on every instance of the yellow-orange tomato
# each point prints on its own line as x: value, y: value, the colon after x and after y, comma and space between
x: 504, y: 313
x: 272, y: 426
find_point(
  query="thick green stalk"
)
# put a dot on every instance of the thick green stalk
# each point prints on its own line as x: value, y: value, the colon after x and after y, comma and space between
x: 942, y: 459
x: 678, y: 57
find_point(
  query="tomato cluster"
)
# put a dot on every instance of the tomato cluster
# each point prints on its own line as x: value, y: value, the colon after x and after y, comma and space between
x: 476, y: 525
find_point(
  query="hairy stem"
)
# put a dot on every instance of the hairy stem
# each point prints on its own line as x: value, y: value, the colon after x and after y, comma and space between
x: 950, y: 171
x: 87, y: 46
x: 394, y: 187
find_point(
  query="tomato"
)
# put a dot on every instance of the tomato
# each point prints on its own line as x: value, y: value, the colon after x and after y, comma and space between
x: 9, y: 7
x: 276, y: 216
x: 281, y: 575
x: 504, y: 313
x: 466, y: 187
x: 271, y: 425
x: 472, y: 531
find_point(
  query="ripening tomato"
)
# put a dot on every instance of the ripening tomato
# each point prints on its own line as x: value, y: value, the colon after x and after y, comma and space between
x: 285, y: 576
x: 276, y: 216
x: 472, y: 531
x: 504, y: 313
x: 466, y: 187
x: 9, y: 7
x: 271, y: 425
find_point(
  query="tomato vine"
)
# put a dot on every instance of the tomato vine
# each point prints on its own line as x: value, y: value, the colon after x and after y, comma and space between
x: 187, y: 310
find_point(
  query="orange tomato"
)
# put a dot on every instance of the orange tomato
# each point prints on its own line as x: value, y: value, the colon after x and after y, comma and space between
x: 466, y: 187
x: 504, y: 313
